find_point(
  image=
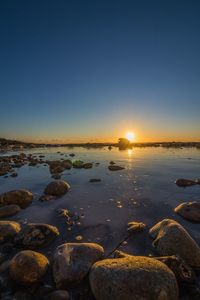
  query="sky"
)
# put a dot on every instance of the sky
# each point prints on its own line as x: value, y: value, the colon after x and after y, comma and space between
x: 86, y: 71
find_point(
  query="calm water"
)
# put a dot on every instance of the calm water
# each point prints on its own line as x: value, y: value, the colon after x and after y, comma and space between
x: 144, y: 191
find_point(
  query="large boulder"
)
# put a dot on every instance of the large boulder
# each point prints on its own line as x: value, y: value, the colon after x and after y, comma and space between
x: 22, y: 198
x: 9, y: 210
x: 28, y: 267
x: 8, y: 230
x: 133, y: 278
x: 57, y: 188
x: 35, y: 235
x: 170, y: 238
x: 189, y: 211
x: 72, y: 262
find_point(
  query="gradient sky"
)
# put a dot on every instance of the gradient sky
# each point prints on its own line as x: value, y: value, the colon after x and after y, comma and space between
x: 80, y: 70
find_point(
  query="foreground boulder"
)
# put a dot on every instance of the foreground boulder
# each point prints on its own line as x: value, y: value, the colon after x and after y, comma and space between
x: 34, y: 236
x: 72, y: 262
x: 28, y: 267
x: 57, y: 188
x: 9, y: 210
x: 172, y: 239
x: 189, y: 211
x: 22, y: 198
x: 133, y: 278
x: 8, y: 230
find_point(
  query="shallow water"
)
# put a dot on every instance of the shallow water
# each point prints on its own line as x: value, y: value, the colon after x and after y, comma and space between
x: 145, y: 191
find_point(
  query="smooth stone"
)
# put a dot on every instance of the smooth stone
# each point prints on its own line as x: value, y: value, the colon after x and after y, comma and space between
x: 72, y: 262
x: 36, y: 235
x: 170, y: 238
x: 189, y: 211
x: 9, y: 210
x: 28, y: 267
x: 22, y: 198
x: 58, y: 295
x: 8, y: 230
x: 115, y: 168
x: 185, y: 182
x: 133, y: 278
x: 57, y: 188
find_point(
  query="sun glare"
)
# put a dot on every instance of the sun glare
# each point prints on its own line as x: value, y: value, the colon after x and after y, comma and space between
x: 130, y: 136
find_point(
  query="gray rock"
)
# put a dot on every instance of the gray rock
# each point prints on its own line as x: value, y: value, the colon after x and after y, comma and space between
x: 189, y: 211
x: 172, y: 239
x: 22, y: 198
x: 8, y: 230
x: 72, y: 262
x: 35, y: 235
x: 9, y: 210
x: 57, y: 188
x: 133, y: 278
x: 28, y: 267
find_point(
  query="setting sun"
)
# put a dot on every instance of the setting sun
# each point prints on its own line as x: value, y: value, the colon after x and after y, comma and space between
x: 130, y: 136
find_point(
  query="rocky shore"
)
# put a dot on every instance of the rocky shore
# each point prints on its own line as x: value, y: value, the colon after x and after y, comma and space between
x: 32, y: 268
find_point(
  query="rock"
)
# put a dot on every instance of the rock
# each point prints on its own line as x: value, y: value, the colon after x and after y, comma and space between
x: 78, y: 164
x: 57, y: 188
x: 95, y: 180
x: 23, y: 198
x: 28, y: 267
x: 9, y: 210
x: 67, y: 164
x: 133, y: 278
x: 56, y: 176
x: 189, y: 211
x: 185, y: 182
x: 8, y: 230
x: 115, y: 168
x: 182, y: 271
x: 14, y: 174
x: 72, y: 154
x: 172, y: 239
x: 34, y: 236
x: 135, y: 226
x: 47, y: 198
x: 87, y: 165
x: 112, y: 163
x: 20, y: 295
x: 58, y: 295
x: 72, y: 262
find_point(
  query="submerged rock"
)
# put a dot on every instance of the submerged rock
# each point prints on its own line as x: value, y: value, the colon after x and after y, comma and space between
x: 8, y: 230
x: 72, y: 262
x: 189, y: 211
x: 172, y: 239
x: 57, y: 188
x: 28, y: 267
x: 9, y: 210
x: 95, y: 180
x: 133, y: 278
x: 115, y: 168
x: 23, y: 198
x: 58, y: 295
x: 34, y: 236
x: 185, y: 182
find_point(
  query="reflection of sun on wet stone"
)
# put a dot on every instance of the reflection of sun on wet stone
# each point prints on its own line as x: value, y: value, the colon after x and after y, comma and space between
x: 78, y: 237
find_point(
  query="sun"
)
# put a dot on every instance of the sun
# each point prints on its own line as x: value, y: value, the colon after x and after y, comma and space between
x: 130, y: 136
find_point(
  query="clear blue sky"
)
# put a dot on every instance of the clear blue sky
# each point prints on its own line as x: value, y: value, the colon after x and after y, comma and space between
x: 75, y: 70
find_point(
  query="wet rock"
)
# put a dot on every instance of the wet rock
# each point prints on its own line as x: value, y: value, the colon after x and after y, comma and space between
x: 57, y: 188
x: 87, y: 165
x: 72, y: 262
x: 47, y: 198
x: 182, y: 271
x: 185, y: 182
x: 8, y: 230
x: 28, y: 267
x: 67, y: 164
x: 170, y: 238
x: 135, y: 226
x: 22, y: 198
x: 133, y: 278
x: 72, y: 154
x: 189, y: 211
x: 20, y: 295
x: 115, y: 168
x: 112, y: 163
x: 78, y: 164
x: 56, y: 176
x: 34, y: 236
x: 9, y: 210
x: 14, y: 174
x: 95, y: 180
x: 58, y: 295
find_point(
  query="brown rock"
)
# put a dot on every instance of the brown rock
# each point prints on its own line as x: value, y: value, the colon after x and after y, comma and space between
x: 9, y: 210
x: 189, y: 211
x: 57, y: 188
x: 22, y: 198
x: 8, y: 230
x: 58, y: 295
x: 185, y: 182
x: 115, y: 168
